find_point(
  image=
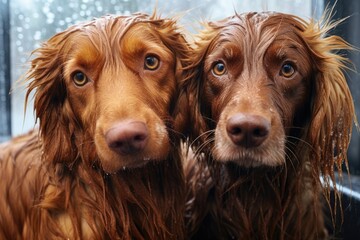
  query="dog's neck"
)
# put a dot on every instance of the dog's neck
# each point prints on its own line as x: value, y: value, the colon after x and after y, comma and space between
x: 266, y: 200
x: 128, y: 197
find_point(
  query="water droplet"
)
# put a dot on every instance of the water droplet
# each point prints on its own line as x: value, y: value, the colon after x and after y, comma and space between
x: 37, y: 35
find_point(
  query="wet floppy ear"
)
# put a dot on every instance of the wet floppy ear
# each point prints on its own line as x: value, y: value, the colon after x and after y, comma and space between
x: 185, y: 109
x: 188, y: 118
x: 52, y: 109
x: 191, y: 105
x: 332, y: 122
x: 180, y: 112
x: 332, y: 108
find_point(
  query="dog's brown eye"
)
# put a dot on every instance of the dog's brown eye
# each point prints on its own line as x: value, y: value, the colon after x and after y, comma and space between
x: 287, y: 70
x: 151, y: 63
x: 80, y: 79
x: 219, y: 69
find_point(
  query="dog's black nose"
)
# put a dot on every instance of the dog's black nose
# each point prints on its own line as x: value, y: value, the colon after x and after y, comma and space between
x: 248, y: 130
x: 127, y: 137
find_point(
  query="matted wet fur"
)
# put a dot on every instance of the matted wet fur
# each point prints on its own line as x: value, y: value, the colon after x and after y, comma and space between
x: 272, y: 112
x: 105, y: 162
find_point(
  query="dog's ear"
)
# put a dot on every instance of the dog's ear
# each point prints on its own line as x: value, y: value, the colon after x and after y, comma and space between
x: 187, y: 113
x: 184, y: 108
x: 180, y: 110
x: 51, y: 107
x: 188, y: 117
x: 191, y: 105
x: 332, y: 104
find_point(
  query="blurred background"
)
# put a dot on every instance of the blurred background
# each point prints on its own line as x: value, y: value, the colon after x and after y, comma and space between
x: 27, y: 23
x: 24, y: 24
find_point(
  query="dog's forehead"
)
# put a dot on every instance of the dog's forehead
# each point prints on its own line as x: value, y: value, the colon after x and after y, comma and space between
x: 251, y: 36
x: 255, y: 29
x: 104, y: 33
x: 254, y: 21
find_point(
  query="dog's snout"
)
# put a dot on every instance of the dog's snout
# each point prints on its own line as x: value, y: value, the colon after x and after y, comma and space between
x: 127, y: 138
x: 248, y: 130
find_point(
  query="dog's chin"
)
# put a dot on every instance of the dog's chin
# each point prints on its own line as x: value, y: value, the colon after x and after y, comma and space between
x: 116, y: 165
x: 249, y: 158
x: 248, y: 162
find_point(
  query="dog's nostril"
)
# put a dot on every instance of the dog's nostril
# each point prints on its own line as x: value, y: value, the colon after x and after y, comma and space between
x: 115, y: 144
x: 256, y: 132
x: 235, y: 130
x: 127, y: 137
x: 140, y: 137
x: 260, y: 132
x: 248, y: 130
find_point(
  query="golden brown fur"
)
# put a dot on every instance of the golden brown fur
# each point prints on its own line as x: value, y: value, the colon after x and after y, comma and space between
x: 74, y: 179
x: 279, y: 78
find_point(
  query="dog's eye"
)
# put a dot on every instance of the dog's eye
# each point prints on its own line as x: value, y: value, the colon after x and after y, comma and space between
x: 151, y: 62
x: 219, y: 69
x: 287, y: 70
x: 79, y: 78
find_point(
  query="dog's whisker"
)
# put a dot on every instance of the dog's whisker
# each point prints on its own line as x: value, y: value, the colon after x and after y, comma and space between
x: 302, y: 141
x: 291, y: 159
x: 201, y: 136
x: 209, y: 119
x: 204, y: 144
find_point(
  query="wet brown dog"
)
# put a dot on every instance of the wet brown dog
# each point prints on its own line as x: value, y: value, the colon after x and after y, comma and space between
x: 274, y: 113
x: 106, y: 161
